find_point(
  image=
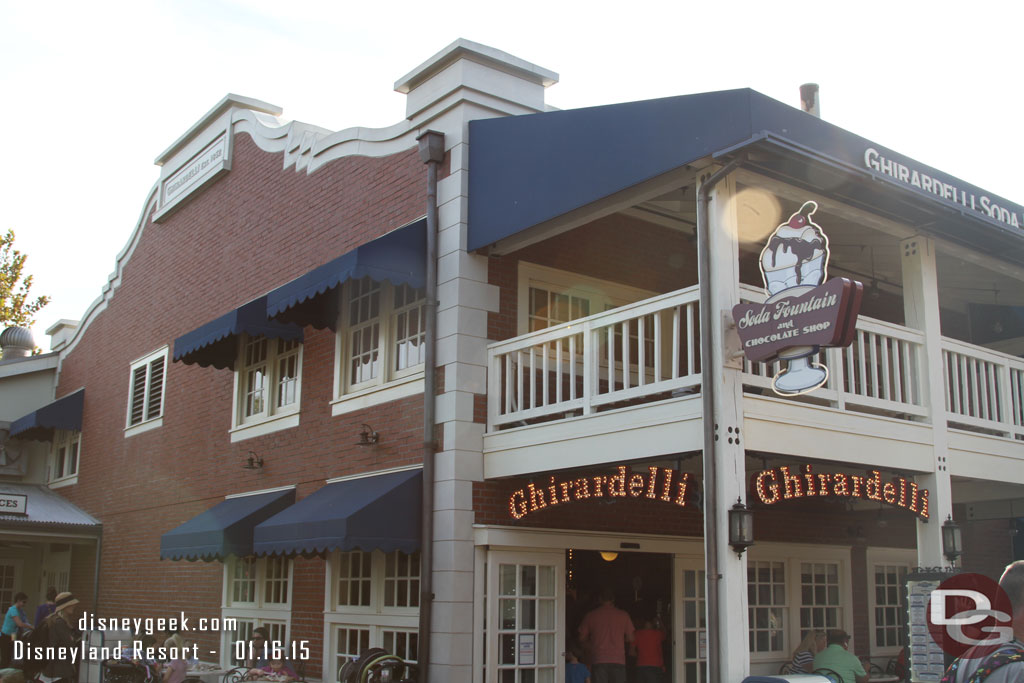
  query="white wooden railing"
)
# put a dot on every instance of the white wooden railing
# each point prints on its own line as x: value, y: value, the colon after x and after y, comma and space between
x: 651, y: 350
x: 879, y: 372
x: 983, y: 389
x: 632, y: 353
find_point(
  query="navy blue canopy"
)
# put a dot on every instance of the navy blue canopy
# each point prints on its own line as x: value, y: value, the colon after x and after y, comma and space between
x: 380, y: 512
x: 225, y: 529
x: 526, y: 170
x: 312, y: 299
x: 214, y: 343
x: 64, y: 413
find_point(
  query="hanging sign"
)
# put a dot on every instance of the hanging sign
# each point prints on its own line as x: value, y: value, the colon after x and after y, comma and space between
x: 657, y: 483
x: 803, y: 312
x: 780, y: 483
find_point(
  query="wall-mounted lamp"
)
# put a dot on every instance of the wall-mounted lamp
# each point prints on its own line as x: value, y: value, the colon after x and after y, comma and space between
x: 952, y: 541
x: 608, y: 556
x: 368, y: 437
x: 741, y: 527
x: 253, y: 462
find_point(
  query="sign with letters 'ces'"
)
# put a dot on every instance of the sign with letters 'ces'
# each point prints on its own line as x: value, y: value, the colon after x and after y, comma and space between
x: 13, y: 504
x: 803, y: 312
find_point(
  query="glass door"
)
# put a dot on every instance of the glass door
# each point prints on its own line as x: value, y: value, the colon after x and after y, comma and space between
x: 690, y: 646
x: 524, y: 635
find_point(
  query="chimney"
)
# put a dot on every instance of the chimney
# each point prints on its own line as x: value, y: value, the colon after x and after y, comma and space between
x: 61, y: 333
x: 809, y: 100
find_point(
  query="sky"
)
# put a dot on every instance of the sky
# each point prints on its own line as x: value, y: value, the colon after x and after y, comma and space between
x: 92, y: 93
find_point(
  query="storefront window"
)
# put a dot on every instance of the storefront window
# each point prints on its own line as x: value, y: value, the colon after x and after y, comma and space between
x: 820, y: 606
x: 766, y: 594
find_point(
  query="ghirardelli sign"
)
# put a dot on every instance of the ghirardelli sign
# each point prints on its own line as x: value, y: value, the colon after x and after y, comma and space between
x: 803, y: 312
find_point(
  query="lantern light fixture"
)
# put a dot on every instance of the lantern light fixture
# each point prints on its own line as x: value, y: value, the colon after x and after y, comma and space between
x: 952, y: 540
x: 741, y: 527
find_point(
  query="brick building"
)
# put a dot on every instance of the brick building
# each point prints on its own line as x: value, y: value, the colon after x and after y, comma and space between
x: 251, y: 436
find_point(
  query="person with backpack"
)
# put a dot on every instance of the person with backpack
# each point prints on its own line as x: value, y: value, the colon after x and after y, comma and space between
x: 1006, y: 663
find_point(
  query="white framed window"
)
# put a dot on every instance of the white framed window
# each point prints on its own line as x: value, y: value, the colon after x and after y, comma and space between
x: 548, y: 296
x: 268, y: 386
x: 257, y: 592
x: 793, y: 589
x: 146, y: 392
x: 766, y: 597
x: 887, y: 572
x: 372, y: 601
x: 380, y: 344
x: 64, y: 454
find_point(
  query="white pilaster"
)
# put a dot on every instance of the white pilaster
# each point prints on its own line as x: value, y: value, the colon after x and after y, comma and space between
x: 921, y: 310
x: 465, y: 81
x: 731, y: 469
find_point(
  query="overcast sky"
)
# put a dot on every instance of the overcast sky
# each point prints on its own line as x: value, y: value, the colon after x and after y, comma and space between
x: 93, y: 92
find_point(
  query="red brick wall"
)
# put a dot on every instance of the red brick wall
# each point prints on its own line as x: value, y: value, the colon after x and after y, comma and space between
x: 250, y: 231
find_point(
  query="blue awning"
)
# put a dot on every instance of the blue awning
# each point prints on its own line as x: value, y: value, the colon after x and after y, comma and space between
x: 529, y: 169
x: 214, y: 343
x: 380, y: 512
x: 225, y: 529
x: 64, y: 413
x: 312, y: 299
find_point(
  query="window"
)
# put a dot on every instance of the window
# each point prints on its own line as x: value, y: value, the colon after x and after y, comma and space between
x: 820, y: 608
x: 146, y: 392
x: 793, y: 590
x: 766, y: 595
x: 267, y: 385
x: 374, y: 602
x: 381, y: 338
x: 550, y: 297
x: 887, y: 572
x: 64, y: 456
x: 257, y: 592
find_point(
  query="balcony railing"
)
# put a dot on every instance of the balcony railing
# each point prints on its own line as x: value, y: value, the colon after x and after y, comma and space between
x: 650, y: 350
x: 633, y: 353
x: 984, y: 389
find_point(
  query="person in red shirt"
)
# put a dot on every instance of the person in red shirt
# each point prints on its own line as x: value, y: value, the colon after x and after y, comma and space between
x: 607, y: 630
x: 650, y: 660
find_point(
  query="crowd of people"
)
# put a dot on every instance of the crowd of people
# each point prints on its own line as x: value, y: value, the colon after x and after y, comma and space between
x: 607, y: 635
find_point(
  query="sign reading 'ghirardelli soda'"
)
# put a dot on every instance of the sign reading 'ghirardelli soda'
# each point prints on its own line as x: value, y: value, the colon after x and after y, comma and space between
x: 803, y: 312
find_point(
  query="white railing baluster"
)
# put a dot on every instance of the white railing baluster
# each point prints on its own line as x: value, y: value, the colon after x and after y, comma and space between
x: 690, y: 338
x: 897, y: 370
x: 572, y: 367
x: 641, y: 358
x: 590, y: 363
x: 610, y: 332
x: 657, y: 347
x: 676, y: 322
x: 559, y: 393
x: 533, y: 379
x: 546, y: 399
x: 885, y: 368
x: 625, y: 354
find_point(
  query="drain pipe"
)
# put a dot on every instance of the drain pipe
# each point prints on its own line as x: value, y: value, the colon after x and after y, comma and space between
x: 431, y: 148
x: 711, y: 530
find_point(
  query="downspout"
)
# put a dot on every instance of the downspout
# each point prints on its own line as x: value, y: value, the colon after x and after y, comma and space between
x: 431, y: 148
x: 711, y: 531
x: 96, y: 574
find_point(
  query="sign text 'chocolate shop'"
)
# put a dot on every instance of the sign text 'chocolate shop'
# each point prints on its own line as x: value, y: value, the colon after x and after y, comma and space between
x: 657, y: 483
x: 781, y: 483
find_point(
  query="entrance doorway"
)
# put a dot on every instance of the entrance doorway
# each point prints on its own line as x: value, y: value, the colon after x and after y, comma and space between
x: 641, y: 583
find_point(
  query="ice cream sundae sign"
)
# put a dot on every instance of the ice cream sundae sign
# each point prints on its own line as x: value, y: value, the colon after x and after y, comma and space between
x: 803, y: 312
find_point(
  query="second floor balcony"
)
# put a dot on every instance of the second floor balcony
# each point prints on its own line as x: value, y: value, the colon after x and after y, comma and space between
x: 625, y: 384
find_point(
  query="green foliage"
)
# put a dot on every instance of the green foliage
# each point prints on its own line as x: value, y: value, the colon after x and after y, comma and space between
x: 15, y: 306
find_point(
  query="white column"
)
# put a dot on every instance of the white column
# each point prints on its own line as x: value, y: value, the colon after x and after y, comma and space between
x: 921, y: 310
x: 731, y: 469
x: 464, y: 300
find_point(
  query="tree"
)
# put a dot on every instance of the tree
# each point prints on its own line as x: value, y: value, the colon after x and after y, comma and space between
x: 15, y: 306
